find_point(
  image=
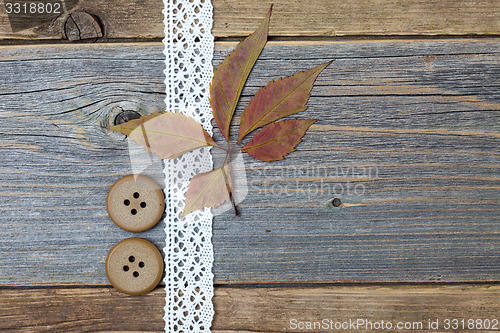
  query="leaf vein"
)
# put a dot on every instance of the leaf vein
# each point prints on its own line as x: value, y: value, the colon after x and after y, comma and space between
x: 276, y: 105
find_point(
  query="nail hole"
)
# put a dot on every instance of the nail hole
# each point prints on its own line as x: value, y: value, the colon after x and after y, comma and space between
x: 126, y: 202
x: 143, y: 204
x: 131, y: 258
x: 336, y: 202
x: 141, y: 264
x: 134, y: 211
x: 126, y: 268
x: 136, y: 195
x: 136, y: 274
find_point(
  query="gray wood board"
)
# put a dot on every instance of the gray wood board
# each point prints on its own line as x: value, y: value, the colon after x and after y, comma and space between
x: 313, y: 18
x: 408, y: 138
x: 247, y: 309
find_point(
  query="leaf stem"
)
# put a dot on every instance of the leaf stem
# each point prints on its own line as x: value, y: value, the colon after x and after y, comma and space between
x: 232, y: 149
x: 221, y: 148
x: 231, y: 194
x: 236, y: 211
x: 229, y: 184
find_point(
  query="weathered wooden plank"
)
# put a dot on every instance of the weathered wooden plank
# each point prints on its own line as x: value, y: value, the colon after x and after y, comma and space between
x: 408, y: 139
x: 320, y: 18
x: 250, y: 309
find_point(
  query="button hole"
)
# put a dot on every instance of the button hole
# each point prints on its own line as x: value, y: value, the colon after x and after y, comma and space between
x: 141, y: 264
x: 136, y: 274
x: 136, y: 195
x: 131, y: 258
x: 126, y: 202
x: 143, y: 204
x: 133, y: 211
x: 126, y: 268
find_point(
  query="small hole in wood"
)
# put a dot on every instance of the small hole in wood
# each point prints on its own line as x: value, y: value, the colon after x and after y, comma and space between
x: 336, y: 202
x: 136, y: 274
x: 126, y: 202
x: 136, y: 195
x: 133, y: 211
x: 143, y: 205
x: 125, y: 268
x: 141, y: 264
x: 131, y: 258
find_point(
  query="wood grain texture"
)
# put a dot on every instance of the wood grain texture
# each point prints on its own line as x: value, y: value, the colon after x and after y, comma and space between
x: 324, y: 18
x: 408, y: 139
x: 246, y: 309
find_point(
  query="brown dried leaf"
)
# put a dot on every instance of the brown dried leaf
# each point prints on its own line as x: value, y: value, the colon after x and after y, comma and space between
x: 279, y: 99
x: 278, y: 139
x: 208, y: 189
x: 168, y: 135
x: 231, y: 75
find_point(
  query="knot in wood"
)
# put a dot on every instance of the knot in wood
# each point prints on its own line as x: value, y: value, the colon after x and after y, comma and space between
x: 125, y: 116
x: 81, y: 25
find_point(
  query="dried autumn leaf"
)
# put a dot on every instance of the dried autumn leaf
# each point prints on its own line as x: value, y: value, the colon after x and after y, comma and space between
x: 168, y: 135
x: 279, y: 99
x: 278, y: 139
x: 208, y: 189
x: 231, y: 75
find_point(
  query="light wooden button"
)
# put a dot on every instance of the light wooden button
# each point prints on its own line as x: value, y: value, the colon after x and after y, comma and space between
x: 135, y: 203
x: 134, y: 266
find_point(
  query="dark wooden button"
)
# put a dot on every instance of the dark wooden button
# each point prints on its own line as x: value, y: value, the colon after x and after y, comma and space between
x: 135, y: 203
x: 134, y: 266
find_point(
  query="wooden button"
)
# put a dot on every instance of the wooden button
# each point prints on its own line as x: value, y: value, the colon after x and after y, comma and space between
x: 135, y: 203
x: 134, y: 266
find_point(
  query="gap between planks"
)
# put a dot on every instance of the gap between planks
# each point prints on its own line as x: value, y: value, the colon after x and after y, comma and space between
x: 295, y: 40
x: 226, y: 43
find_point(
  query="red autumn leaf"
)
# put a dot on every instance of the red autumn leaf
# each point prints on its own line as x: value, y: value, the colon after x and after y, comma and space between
x: 278, y: 139
x: 279, y: 99
x: 168, y: 135
x: 208, y: 189
x: 231, y: 75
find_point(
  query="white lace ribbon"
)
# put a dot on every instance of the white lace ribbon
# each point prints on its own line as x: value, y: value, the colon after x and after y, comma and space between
x: 189, y: 47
